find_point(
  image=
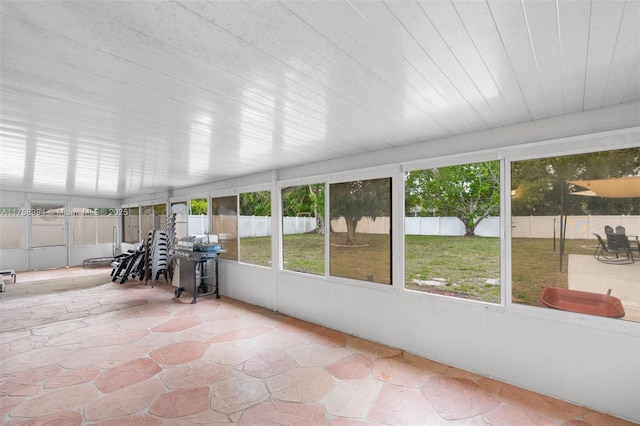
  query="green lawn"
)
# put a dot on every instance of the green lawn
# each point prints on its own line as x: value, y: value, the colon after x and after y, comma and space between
x: 457, y: 266
x: 535, y: 265
x: 466, y: 267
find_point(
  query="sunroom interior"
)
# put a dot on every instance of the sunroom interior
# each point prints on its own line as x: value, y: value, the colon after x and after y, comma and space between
x: 118, y: 115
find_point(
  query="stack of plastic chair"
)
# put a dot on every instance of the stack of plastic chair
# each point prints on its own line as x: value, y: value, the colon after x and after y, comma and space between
x: 170, y: 229
x: 158, y: 255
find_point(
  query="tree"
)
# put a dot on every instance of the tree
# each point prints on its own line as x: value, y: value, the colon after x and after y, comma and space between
x: 539, y: 185
x: 160, y: 209
x: 305, y: 200
x: 357, y: 199
x: 198, y: 206
x: 470, y: 192
x: 255, y: 203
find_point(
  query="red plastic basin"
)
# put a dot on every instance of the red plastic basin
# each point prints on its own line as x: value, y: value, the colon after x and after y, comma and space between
x: 582, y: 302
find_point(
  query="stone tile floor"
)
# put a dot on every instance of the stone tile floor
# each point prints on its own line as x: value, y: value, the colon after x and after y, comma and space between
x: 131, y: 354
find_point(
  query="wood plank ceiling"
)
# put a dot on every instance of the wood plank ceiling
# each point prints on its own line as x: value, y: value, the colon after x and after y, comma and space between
x: 114, y: 99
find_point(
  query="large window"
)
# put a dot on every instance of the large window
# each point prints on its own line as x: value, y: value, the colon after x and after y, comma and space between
x: 558, y: 205
x: 452, y: 228
x: 84, y: 226
x: 224, y: 223
x: 146, y: 220
x: 159, y: 216
x: 197, y: 224
x: 303, y: 228
x: 361, y: 225
x: 155, y: 217
x: 95, y: 226
x: 255, y: 227
x: 107, y: 220
x: 131, y: 228
x: 11, y: 227
x: 48, y: 225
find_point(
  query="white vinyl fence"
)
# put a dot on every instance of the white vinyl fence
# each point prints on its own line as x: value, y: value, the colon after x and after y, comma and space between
x: 578, y: 227
x: 256, y: 226
x: 489, y: 227
x: 582, y: 227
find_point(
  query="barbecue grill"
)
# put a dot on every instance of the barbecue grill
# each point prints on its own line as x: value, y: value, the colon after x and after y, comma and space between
x: 194, y: 254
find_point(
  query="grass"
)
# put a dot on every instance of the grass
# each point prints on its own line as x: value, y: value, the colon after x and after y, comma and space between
x: 455, y: 266
x: 535, y: 265
x: 466, y: 267
x: 370, y: 260
x: 255, y: 250
x: 304, y: 253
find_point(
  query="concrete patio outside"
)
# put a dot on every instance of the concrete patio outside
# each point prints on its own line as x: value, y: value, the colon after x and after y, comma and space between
x: 588, y: 274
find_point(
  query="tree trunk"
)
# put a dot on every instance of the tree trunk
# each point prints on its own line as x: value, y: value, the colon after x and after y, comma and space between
x: 351, y: 230
x: 469, y: 230
x: 320, y: 226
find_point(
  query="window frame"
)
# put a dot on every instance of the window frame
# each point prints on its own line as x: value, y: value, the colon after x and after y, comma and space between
x: 36, y: 208
x: 14, y: 213
x: 280, y: 210
x: 456, y: 160
x: 573, y: 145
x: 248, y: 190
x: 394, y: 173
x: 580, y: 147
x: 225, y: 194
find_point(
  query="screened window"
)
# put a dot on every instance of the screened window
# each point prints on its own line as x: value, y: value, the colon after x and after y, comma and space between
x: 108, y: 224
x: 254, y: 227
x: 159, y: 216
x: 131, y: 226
x: 198, y: 208
x: 91, y: 226
x: 84, y: 226
x: 146, y: 220
x: 452, y: 229
x: 224, y: 223
x: 361, y: 225
x: 558, y: 205
x: 303, y: 228
x: 48, y: 225
x: 11, y: 227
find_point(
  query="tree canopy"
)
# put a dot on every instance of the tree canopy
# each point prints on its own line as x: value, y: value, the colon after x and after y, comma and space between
x: 198, y: 206
x: 255, y: 203
x: 539, y: 186
x: 305, y: 200
x: 470, y: 192
x: 357, y: 199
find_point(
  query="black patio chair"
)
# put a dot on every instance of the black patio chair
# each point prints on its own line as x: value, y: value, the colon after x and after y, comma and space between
x: 620, y: 230
x: 610, y: 252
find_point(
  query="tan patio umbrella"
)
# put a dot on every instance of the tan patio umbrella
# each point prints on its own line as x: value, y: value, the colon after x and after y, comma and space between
x: 624, y: 187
